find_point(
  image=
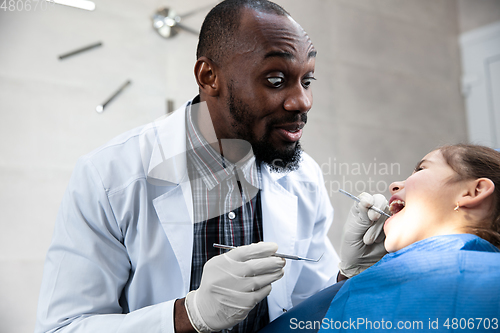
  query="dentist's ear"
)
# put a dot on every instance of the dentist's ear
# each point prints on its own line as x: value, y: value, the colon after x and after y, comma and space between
x: 478, y: 194
x: 205, y: 72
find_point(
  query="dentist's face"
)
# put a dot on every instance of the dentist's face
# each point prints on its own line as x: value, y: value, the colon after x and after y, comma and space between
x: 268, y: 87
x: 422, y: 204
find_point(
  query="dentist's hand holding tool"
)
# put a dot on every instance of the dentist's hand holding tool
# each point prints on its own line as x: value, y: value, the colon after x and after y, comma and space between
x: 362, y: 241
x: 232, y: 284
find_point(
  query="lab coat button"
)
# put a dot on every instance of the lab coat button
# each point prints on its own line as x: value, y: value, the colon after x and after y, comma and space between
x: 284, y: 310
x: 231, y: 215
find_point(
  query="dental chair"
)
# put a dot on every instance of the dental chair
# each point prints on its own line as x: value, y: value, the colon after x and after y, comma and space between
x: 311, y: 310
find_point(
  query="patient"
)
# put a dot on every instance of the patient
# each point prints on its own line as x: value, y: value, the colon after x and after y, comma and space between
x: 442, y: 272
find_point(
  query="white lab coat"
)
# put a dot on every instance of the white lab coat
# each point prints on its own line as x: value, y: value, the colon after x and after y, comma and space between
x: 122, y: 245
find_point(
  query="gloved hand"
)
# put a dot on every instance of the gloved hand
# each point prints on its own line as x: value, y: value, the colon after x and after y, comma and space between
x: 362, y: 241
x: 232, y: 284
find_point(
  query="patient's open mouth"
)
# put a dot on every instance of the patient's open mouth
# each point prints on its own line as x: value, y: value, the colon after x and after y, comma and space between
x: 396, y: 206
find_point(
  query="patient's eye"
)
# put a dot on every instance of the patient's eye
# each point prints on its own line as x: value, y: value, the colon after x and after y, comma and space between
x: 419, y: 167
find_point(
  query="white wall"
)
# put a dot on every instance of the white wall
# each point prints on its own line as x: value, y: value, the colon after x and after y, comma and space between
x: 387, y: 92
x: 476, y: 14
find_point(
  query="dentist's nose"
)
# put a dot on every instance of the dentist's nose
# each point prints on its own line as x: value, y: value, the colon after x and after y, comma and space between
x: 299, y: 99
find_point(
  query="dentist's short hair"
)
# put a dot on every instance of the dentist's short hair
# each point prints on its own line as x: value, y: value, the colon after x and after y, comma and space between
x: 218, y: 35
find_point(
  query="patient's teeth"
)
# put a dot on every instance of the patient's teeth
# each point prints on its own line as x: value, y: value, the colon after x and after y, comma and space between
x: 396, y: 206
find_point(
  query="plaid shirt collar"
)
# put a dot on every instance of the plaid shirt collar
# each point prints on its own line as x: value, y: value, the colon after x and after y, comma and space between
x: 211, y: 166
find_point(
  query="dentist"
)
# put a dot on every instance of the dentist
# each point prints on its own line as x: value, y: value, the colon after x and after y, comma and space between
x: 132, y: 246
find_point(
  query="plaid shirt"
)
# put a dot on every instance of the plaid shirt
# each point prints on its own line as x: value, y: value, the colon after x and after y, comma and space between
x: 227, y: 209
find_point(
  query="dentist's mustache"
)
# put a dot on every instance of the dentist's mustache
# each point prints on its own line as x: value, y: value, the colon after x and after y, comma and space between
x: 291, y: 118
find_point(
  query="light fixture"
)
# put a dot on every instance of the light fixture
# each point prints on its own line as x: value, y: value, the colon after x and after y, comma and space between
x: 81, y: 4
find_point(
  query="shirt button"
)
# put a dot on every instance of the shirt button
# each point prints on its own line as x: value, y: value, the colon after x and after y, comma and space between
x: 231, y: 215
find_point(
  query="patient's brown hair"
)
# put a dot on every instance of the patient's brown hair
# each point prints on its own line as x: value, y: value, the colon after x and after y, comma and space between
x: 473, y: 162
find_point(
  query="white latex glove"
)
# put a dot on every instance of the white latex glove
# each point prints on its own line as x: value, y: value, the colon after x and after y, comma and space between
x: 232, y: 284
x: 362, y: 241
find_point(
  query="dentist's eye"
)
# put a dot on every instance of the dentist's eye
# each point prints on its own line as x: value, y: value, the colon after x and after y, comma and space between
x: 276, y: 81
x: 307, y: 81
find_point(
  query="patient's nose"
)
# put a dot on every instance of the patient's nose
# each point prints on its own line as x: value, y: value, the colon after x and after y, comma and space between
x: 396, y: 187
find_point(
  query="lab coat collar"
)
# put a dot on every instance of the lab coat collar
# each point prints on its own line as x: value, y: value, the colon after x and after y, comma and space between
x: 175, y: 212
x: 163, y: 148
x: 273, y: 175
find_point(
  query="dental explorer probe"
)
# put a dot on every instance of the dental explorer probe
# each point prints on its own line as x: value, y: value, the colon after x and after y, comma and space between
x: 358, y: 200
x: 284, y: 256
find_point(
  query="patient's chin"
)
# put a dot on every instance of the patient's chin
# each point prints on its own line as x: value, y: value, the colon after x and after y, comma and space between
x: 388, y: 246
x: 392, y: 236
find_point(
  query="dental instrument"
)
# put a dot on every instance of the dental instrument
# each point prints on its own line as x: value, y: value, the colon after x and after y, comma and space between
x: 358, y: 200
x: 284, y: 256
